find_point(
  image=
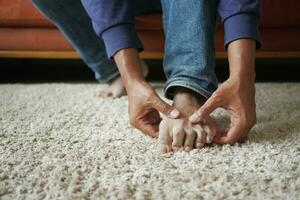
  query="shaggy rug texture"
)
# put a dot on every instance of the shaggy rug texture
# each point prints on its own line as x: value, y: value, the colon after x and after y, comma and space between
x: 62, y: 141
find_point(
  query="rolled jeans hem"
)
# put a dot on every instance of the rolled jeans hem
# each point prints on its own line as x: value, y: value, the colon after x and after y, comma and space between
x: 109, y: 77
x: 186, y: 84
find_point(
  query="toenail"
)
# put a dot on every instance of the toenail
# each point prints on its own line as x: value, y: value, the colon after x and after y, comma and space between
x: 187, y: 148
x: 164, y: 149
x: 199, y: 145
x: 176, y: 148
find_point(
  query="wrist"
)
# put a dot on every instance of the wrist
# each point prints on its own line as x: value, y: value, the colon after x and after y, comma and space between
x: 243, y: 75
x: 130, y: 83
x: 241, y: 57
x: 130, y: 66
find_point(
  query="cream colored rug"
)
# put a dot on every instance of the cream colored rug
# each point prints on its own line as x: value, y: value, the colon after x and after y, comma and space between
x: 61, y: 141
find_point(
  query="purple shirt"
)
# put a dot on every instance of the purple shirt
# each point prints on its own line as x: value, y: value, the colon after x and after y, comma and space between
x: 113, y: 20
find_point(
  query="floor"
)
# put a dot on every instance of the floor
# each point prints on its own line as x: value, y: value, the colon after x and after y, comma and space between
x: 62, y: 141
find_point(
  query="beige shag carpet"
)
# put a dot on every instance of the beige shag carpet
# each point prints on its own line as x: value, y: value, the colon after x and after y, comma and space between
x: 62, y: 141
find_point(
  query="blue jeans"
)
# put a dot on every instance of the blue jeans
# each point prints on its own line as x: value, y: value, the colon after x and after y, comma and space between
x: 71, y: 19
x: 189, y: 49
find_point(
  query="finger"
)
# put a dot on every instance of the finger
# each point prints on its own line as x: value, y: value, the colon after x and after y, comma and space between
x: 201, y: 135
x: 202, y: 113
x: 220, y: 133
x: 164, y: 108
x: 232, y: 136
x: 243, y: 138
x: 164, y: 139
x: 189, y: 140
x: 153, y: 119
x: 178, y: 137
x: 148, y: 129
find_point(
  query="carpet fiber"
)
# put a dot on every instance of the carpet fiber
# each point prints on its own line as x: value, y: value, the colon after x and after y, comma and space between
x: 62, y: 141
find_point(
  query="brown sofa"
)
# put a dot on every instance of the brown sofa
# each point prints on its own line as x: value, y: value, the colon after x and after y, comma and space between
x: 25, y: 33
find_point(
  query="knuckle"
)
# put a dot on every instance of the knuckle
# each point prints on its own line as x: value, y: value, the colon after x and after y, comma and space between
x: 164, y: 109
x: 151, y: 97
x: 217, y: 100
x: 217, y: 96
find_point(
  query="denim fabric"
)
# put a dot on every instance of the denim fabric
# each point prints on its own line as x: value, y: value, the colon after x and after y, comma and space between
x: 71, y: 18
x: 189, y: 47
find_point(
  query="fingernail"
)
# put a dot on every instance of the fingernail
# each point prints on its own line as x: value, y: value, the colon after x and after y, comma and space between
x: 174, y: 113
x: 194, y: 118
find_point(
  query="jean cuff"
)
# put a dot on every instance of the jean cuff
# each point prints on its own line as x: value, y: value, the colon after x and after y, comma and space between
x: 186, y: 83
x: 108, y: 77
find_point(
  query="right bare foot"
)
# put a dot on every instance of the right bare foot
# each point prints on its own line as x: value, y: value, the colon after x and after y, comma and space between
x: 115, y: 87
x: 177, y: 133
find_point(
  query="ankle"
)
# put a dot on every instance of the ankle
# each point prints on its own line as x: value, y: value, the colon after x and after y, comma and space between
x: 187, y: 101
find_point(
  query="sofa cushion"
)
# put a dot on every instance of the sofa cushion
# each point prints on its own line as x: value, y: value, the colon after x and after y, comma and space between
x: 21, y: 13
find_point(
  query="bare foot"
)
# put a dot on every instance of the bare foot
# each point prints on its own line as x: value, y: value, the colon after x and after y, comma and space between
x: 115, y: 87
x: 177, y: 133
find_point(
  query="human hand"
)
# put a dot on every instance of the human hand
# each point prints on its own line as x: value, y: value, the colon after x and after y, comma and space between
x: 237, y: 96
x: 144, y: 107
x: 144, y: 104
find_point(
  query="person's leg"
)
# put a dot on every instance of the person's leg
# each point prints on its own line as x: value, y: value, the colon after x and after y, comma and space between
x: 71, y: 18
x: 189, y: 63
x: 190, y: 47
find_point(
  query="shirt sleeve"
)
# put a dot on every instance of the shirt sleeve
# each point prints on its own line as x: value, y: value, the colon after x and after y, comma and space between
x: 240, y: 19
x: 113, y: 20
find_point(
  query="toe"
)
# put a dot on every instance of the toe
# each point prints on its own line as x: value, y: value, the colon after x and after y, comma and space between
x: 164, y: 138
x: 178, y: 137
x: 201, y: 137
x: 189, y: 140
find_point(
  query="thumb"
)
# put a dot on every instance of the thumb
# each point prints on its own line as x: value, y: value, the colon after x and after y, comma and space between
x: 203, y: 112
x: 161, y: 106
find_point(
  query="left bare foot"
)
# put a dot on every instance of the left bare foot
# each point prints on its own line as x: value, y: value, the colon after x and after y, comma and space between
x: 115, y: 87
